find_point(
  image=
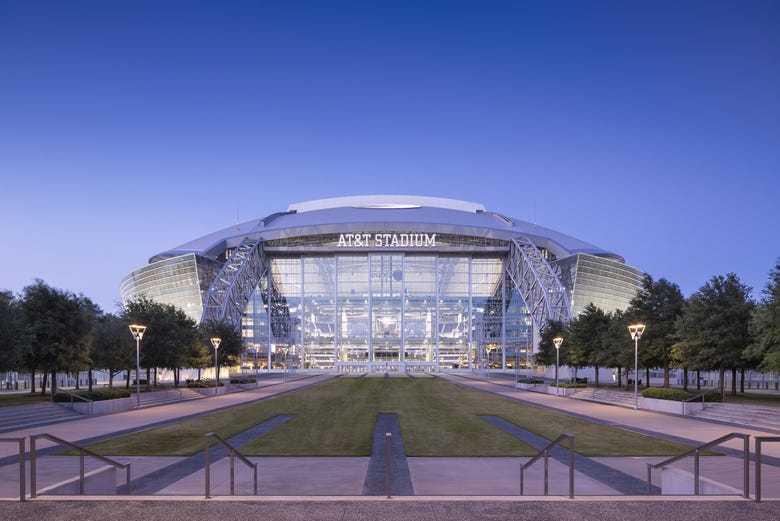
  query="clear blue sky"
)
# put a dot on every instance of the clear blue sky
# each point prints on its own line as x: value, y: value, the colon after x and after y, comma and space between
x: 651, y: 129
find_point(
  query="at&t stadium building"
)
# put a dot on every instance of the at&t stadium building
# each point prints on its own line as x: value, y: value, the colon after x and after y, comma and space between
x: 386, y: 284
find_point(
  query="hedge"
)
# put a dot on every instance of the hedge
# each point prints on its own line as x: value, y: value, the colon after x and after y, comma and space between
x: 95, y: 395
x: 678, y: 395
x: 243, y: 381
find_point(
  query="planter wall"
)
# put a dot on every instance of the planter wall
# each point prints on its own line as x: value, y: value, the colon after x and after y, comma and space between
x: 561, y: 391
x: 671, y: 406
x: 101, y: 407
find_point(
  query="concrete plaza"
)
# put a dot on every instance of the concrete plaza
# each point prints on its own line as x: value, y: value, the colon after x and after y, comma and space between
x: 299, y: 486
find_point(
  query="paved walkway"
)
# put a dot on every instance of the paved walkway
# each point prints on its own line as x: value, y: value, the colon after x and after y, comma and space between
x: 442, y: 477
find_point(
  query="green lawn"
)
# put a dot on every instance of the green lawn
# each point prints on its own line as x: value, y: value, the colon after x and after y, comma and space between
x: 11, y: 399
x: 336, y: 418
x: 754, y: 398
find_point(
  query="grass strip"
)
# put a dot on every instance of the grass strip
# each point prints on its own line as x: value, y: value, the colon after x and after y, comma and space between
x: 336, y: 418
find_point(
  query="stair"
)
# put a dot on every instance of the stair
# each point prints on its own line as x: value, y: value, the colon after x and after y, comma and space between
x: 754, y: 416
x: 610, y: 396
x: 34, y: 415
x: 153, y: 399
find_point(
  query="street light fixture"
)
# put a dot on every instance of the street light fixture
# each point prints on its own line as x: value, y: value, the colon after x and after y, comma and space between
x: 215, y: 341
x: 636, y: 331
x: 138, y: 334
x: 557, y: 341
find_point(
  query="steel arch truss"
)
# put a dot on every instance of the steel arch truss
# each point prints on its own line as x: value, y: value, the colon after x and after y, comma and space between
x: 232, y: 288
x: 535, y: 279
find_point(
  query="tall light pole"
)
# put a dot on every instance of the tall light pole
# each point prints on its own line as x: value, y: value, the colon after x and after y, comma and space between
x: 215, y: 341
x: 636, y: 331
x: 138, y: 334
x: 557, y: 341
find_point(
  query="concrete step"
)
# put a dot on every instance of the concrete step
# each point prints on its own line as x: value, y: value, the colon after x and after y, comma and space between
x: 34, y: 415
x: 156, y: 398
x: 606, y: 396
x: 751, y: 415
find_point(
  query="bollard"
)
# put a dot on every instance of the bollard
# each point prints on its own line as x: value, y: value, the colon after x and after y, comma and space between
x: 388, y: 438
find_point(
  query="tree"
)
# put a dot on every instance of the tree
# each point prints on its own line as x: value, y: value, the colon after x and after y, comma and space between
x: 113, y: 347
x: 617, y: 350
x: 547, y: 352
x: 586, y: 338
x: 60, y: 327
x: 231, y: 343
x: 658, y: 305
x: 169, y: 336
x: 765, y: 325
x: 12, y: 336
x: 714, y: 327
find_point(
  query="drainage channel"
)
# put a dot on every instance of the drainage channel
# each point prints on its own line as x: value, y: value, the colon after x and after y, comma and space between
x: 401, y: 482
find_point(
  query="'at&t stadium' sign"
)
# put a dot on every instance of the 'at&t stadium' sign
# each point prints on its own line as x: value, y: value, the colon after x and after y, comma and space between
x: 387, y: 240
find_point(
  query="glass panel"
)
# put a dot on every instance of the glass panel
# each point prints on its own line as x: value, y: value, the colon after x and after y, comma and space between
x: 453, y: 323
x: 319, y: 325
x: 286, y: 312
x: 386, y: 291
x: 420, y: 322
x: 352, y: 326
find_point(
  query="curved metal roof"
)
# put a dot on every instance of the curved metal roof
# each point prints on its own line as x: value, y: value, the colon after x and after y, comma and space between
x: 387, y: 213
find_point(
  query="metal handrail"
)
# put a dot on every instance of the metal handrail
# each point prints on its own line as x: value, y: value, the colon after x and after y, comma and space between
x: 545, y: 452
x: 73, y: 395
x: 760, y: 440
x: 22, y: 477
x: 82, y: 452
x: 233, y: 454
x: 696, y: 452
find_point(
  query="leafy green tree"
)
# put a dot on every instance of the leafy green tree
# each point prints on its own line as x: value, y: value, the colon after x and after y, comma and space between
x: 658, y: 305
x: 546, y: 354
x: 60, y: 327
x: 714, y: 326
x: 765, y: 326
x: 169, y: 335
x: 231, y: 343
x: 617, y: 350
x: 113, y: 348
x: 12, y: 336
x: 586, y: 338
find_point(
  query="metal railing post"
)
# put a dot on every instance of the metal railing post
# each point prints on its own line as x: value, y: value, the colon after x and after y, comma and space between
x: 22, y: 477
x: 746, y: 468
x: 208, y: 468
x: 232, y: 475
x: 546, y: 470
x: 571, y: 468
x: 696, y: 452
x: 33, y: 465
x: 232, y: 454
x: 388, y: 467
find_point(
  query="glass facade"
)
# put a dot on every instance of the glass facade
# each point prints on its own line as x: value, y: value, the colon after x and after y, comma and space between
x: 182, y: 281
x: 607, y: 283
x: 384, y: 312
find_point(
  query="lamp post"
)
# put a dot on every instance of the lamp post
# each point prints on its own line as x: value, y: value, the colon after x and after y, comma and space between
x: 557, y: 341
x: 215, y: 341
x: 636, y: 331
x: 138, y: 334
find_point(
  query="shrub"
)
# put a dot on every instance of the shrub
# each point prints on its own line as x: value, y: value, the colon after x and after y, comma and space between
x: 201, y: 384
x: 566, y: 385
x: 243, y: 381
x: 662, y: 393
x: 530, y: 381
x: 95, y: 395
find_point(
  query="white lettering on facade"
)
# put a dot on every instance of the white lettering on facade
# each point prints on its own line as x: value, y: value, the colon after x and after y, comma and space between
x: 387, y: 240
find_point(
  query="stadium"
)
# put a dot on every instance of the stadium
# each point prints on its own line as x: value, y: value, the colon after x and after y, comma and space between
x: 386, y: 284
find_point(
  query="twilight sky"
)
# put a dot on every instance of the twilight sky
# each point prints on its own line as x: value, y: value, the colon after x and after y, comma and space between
x: 647, y: 128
